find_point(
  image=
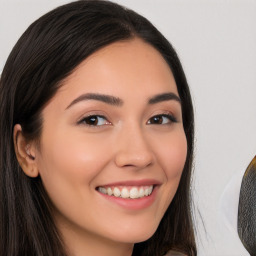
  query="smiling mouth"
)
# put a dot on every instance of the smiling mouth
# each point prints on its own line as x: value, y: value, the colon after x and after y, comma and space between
x: 126, y: 192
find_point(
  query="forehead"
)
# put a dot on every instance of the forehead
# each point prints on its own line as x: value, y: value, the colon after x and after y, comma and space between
x: 127, y: 68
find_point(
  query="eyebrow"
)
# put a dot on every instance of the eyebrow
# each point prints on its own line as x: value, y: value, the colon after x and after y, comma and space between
x: 164, y: 97
x: 115, y: 101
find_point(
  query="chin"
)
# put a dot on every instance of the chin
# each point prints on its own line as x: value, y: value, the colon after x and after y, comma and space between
x: 135, y: 234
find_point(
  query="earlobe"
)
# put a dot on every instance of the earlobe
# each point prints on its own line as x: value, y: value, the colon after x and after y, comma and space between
x: 25, y: 152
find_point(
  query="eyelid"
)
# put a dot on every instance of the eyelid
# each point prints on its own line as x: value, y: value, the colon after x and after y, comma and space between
x: 92, y: 112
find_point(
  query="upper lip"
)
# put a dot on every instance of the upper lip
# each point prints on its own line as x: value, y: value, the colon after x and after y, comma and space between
x: 142, y: 182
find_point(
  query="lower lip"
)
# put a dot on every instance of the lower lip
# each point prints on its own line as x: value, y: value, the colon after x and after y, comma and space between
x: 133, y: 204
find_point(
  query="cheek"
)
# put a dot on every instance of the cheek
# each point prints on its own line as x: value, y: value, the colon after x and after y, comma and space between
x: 170, y: 150
x: 70, y: 154
x: 173, y: 153
x: 70, y: 163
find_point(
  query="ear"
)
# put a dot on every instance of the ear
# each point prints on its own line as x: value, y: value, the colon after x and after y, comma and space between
x: 25, y: 152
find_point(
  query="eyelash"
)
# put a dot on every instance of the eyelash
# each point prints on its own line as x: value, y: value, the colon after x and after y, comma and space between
x: 96, y: 118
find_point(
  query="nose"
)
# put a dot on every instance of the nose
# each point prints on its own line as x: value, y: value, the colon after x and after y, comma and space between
x: 133, y: 149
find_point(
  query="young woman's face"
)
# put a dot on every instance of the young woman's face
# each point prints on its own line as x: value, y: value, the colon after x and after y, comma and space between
x: 111, y: 134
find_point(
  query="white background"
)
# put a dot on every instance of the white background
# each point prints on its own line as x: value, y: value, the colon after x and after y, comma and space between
x: 216, y: 42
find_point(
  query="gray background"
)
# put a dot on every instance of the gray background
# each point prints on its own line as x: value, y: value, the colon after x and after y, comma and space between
x: 216, y: 42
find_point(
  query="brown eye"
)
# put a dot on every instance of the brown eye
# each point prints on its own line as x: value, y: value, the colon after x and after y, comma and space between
x: 94, y: 120
x: 162, y: 119
x: 91, y: 120
x: 156, y: 120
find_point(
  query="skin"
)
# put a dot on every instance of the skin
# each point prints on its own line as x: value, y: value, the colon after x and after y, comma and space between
x: 126, y: 145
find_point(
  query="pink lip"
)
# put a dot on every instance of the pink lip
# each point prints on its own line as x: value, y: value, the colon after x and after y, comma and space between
x: 133, y: 204
x: 144, y: 182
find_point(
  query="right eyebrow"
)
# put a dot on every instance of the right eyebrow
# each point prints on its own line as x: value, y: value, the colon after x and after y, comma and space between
x: 111, y: 100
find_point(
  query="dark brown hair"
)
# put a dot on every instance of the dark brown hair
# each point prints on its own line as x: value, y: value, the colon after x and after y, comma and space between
x: 48, y: 51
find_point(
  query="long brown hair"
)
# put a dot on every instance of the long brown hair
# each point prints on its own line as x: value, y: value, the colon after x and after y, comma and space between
x: 48, y: 52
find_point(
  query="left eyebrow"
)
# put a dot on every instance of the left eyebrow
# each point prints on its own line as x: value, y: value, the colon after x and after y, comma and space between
x: 164, y: 97
x: 111, y: 100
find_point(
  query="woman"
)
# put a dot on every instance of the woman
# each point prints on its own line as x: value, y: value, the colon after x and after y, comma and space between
x: 96, y: 138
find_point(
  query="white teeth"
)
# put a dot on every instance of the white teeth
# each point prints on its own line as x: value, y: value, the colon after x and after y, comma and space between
x: 150, y: 189
x: 102, y: 190
x: 127, y: 192
x: 141, y: 192
x: 116, y: 192
x: 109, y: 191
x: 134, y: 193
